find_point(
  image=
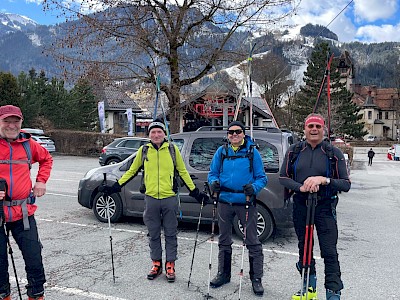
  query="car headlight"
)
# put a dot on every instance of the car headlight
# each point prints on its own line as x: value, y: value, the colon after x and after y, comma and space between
x: 90, y: 173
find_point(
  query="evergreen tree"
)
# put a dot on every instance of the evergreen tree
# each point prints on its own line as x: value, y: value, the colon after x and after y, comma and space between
x: 32, y: 90
x: 9, y: 92
x: 344, y: 113
x: 55, y: 103
x: 83, y: 106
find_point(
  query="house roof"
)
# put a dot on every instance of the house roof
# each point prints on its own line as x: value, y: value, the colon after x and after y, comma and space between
x: 115, y: 99
x: 260, y: 105
x: 382, y: 98
x: 369, y: 102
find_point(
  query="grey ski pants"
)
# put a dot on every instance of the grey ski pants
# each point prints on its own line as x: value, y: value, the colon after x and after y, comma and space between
x: 160, y: 213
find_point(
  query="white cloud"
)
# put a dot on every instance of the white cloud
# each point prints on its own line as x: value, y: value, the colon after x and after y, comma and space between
x: 373, y: 10
x: 378, y: 34
x: 38, y: 2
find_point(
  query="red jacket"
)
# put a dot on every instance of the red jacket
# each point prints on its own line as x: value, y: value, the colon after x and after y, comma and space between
x: 18, y: 176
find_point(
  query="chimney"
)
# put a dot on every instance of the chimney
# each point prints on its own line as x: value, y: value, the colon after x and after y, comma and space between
x: 374, y: 91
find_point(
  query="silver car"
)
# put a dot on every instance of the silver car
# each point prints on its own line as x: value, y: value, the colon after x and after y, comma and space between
x: 197, y: 149
x: 45, y: 142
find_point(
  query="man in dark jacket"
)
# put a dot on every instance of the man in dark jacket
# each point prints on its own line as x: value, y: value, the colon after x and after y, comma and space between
x: 371, y: 155
x: 238, y: 179
x: 18, y: 197
x: 311, y: 171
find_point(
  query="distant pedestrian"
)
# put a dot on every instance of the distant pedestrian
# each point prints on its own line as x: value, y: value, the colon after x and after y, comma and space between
x: 371, y: 155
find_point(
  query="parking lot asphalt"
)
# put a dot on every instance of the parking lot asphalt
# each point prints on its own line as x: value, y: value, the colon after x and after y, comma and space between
x: 77, y: 254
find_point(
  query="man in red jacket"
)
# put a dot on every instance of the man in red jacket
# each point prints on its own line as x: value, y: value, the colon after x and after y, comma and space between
x: 17, y: 197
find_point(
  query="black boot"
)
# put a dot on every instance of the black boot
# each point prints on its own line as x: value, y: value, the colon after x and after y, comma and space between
x: 220, y: 279
x: 257, y: 287
x: 224, y: 269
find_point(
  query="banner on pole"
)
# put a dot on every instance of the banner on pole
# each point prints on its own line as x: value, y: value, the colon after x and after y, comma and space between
x: 102, y: 117
x: 130, y: 123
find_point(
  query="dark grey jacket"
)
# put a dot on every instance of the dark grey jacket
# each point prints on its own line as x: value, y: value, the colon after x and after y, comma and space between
x: 315, y: 162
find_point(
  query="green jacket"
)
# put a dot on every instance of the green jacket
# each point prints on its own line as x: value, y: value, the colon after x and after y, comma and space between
x: 159, y: 171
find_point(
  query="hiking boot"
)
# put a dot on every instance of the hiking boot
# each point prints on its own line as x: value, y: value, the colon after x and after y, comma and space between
x: 312, y: 294
x: 5, y: 296
x: 170, y: 271
x: 36, y: 298
x: 331, y: 295
x: 155, y: 270
x: 220, y: 279
x: 257, y: 287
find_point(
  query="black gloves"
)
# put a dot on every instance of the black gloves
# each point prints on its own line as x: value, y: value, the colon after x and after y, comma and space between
x: 248, y: 189
x: 215, y: 187
x: 199, y: 196
x: 115, y: 188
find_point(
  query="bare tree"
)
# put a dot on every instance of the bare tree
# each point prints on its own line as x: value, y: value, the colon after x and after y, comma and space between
x: 271, y: 73
x: 139, y: 39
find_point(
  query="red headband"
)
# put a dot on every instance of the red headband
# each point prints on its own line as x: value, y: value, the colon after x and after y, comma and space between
x: 315, y: 119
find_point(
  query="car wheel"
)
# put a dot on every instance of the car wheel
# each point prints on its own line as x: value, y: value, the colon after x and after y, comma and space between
x: 113, y: 161
x: 265, y: 224
x: 100, y: 204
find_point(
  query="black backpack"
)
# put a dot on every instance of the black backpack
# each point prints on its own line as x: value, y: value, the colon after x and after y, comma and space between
x: 294, y: 156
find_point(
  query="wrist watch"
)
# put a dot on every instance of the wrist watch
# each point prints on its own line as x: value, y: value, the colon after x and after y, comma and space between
x: 328, y: 180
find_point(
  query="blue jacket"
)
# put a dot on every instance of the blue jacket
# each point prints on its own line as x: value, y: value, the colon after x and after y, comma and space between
x: 233, y: 174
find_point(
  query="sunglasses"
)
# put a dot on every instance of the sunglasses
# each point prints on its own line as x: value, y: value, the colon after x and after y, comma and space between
x: 237, y: 131
x: 311, y: 126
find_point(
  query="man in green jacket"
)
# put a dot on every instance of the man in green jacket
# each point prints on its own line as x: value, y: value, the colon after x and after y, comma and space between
x: 161, y: 202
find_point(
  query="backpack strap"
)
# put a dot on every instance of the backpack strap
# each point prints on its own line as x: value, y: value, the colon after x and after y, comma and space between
x: 293, y: 159
x: 145, y: 149
x: 249, y: 155
x: 332, y: 161
x: 28, y: 161
x: 27, y: 148
x: 171, y: 149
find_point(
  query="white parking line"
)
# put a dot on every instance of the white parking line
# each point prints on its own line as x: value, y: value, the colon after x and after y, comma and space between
x: 179, y: 237
x: 62, y: 195
x: 72, y: 291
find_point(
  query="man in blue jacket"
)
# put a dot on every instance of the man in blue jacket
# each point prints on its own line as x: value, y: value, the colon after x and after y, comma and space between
x: 237, y: 173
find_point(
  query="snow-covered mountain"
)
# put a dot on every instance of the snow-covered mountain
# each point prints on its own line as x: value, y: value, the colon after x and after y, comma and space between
x: 22, y: 42
x: 13, y: 22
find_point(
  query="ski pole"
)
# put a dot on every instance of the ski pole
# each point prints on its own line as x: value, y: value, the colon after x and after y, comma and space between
x: 244, y: 243
x: 195, y: 241
x: 308, y: 242
x: 105, y: 196
x: 3, y: 185
x: 215, y: 198
x: 10, y: 251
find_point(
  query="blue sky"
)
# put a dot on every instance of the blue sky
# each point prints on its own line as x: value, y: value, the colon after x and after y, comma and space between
x: 364, y: 20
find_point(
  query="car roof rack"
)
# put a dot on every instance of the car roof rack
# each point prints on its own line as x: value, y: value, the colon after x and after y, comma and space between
x: 259, y: 128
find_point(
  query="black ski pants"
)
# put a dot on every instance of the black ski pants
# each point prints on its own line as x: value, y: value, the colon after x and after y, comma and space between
x: 226, y: 214
x: 29, y: 244
x: 327, y: 231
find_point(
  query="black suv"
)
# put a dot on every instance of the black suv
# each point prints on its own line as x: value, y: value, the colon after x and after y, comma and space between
x: 197, y: 150
x: 119, y: 149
